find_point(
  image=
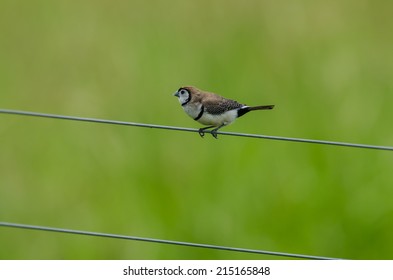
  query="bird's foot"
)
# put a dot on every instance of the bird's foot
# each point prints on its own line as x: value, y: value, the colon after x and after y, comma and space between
x: 201, y: 131
x: 214, y: 133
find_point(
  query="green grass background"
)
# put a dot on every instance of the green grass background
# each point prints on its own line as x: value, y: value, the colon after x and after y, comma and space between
x: 327, y: 65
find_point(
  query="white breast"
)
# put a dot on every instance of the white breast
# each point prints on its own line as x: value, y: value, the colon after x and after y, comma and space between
x: 217, y: 120
x: 193, y: 110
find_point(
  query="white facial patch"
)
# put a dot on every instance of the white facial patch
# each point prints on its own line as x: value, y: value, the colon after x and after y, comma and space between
x: 183, y: 95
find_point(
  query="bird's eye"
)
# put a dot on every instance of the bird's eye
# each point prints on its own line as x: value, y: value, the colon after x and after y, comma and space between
x: 183, y: 91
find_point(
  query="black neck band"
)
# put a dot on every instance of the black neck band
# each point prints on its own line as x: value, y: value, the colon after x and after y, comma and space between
x: 200, y: 113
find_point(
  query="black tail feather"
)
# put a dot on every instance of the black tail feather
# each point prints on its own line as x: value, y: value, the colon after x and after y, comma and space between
x: 246, y: 109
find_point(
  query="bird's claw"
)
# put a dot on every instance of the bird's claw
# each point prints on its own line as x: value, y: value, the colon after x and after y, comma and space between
x: 213, y: 132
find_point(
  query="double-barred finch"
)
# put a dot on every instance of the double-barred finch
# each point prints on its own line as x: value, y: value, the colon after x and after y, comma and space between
x: 211, y: 109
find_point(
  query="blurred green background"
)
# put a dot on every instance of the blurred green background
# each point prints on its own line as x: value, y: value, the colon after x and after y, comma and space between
x: 327, y: 65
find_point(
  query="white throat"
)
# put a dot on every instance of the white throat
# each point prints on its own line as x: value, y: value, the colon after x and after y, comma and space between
x: 184, y: 99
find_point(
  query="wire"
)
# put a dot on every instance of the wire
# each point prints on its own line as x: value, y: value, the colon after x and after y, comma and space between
x: 324, y: 142
x: 170, y: 242
x: 162, y: 241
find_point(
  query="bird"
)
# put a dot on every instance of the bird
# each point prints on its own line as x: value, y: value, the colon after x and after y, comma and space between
x: 212, y: 109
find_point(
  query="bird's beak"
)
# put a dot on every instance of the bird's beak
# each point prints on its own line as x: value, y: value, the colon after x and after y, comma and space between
x: 176, y: 94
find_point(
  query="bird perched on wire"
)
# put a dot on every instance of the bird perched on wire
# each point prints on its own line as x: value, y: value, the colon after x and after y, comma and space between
x: 211, y: 109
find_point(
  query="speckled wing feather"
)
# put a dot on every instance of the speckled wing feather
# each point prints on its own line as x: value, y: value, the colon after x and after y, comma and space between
x: 217, y: 107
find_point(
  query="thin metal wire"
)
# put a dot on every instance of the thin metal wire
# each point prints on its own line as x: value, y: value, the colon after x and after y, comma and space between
x: 162, y: 241
x: 170, y: 242
x: 324, y: 142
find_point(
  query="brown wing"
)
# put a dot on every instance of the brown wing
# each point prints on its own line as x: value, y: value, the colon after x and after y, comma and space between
x: 220, y: 105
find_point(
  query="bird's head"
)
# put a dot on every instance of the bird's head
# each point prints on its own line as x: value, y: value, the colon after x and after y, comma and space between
x: 184, y: 94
